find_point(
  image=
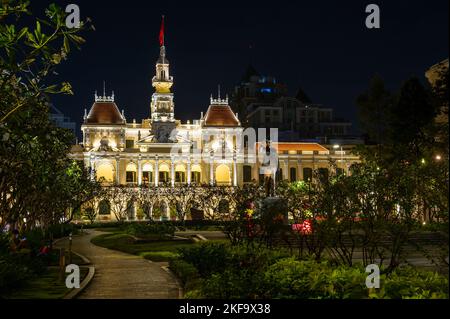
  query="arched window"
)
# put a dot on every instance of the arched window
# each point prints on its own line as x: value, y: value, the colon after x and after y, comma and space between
x: 323, y: 174
x: 164, y: 173
x: 104, y: 208
x: 247, y: 173
x: 196, y: 174
x: 307, y: 174
x: 131, y: 173
x: 223, y: 175
x: 293, y: 174
x: 105, y: 172
x: 147, y: 173
x: 180, y: 174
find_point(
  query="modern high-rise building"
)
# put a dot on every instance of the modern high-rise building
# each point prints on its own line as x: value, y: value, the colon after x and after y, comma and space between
x: 61, y: 120
x: 264, y: 102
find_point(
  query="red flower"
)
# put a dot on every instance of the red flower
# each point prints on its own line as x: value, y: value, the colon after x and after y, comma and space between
x: 304, y: 228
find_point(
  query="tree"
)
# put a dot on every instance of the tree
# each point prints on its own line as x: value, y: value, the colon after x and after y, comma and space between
x: 39, y: 183
x: 90, y: 211
x: 182, y: 198
x: 412, y: 113
x: 30, y: 54
x: 120, y: 197
x: 38, y: 180
x: 374, y: 108
x: 208, y: 199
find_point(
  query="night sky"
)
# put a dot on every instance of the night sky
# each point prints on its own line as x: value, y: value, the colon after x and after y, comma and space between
x: 322, y: 46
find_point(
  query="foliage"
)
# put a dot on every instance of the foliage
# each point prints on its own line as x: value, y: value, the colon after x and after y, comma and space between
x: 185, y: 271
x: 39, y: 183
x: 30, y: 51
x: 160, y: 230
x: 207, y: 257
x: 263, y: 273
x: 12, y: 275
x: 120, y: 197
x: 159, y: 255
x: 409, y: 283
x: 90, y: 213
x: 290, y: 278
x: 374, y: 107
x: 126, y: 243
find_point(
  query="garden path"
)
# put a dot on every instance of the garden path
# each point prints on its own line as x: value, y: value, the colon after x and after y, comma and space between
x: 120, y: 275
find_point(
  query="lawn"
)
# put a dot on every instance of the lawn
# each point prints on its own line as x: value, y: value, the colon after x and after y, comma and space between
x: 157, y: 250
x: 45, y: 286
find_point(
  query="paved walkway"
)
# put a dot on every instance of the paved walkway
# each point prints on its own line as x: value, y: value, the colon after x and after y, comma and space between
x: 120, y: 275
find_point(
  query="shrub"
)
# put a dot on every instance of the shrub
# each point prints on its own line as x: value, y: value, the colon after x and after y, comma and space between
x: 207, y: 258
x: 4, y: 243
x: 231, y: 285
x: 290, y: 278
x: 186, y: 272
x: 17, y: 267
x: 237, y: 272
x: 410, y: 283
x: 12, y: 275
x: 148, y: 229
x: 159, y: 255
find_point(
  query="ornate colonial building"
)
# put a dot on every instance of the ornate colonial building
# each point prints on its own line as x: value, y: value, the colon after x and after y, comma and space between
x: 160, y: 151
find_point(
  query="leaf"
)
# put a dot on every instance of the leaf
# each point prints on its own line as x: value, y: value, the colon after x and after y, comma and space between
x: 66, y: 44
x: 77, y: 39
x: 22, y: 32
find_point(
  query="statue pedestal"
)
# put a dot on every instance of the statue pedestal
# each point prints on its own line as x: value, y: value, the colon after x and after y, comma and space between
x: 274, y: 206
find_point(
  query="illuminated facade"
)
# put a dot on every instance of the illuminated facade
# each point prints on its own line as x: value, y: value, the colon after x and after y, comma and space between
x: 160, y: 151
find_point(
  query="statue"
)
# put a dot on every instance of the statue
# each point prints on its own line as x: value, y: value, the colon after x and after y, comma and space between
x: 269, y: 186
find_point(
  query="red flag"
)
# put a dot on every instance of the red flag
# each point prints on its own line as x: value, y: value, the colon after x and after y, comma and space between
x: 161, y: 33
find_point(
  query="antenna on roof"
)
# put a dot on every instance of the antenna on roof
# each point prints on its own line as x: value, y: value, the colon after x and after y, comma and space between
x: 104, y: 88
x: 218, y: 91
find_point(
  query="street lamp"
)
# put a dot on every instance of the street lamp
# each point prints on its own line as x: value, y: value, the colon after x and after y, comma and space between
x: 438, y: 157
x: 336, y: 146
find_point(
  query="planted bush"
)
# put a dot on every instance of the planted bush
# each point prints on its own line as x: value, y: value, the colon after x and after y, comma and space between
x: 159, y: 255
x: 159, y: 230
x: 293, y: 279
x: 207, y: 257
x: 410, y: 283
x: 186, y: 272
x: 12, y: 275
x: 250, y: 272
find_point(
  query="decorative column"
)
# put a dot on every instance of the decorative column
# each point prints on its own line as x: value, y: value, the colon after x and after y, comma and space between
x: 88, y: 140
x: 314, y: 161
x: 188, y: 177
x: 172, y: 172
x: 234, y: 170
x: 286, y: 169
x: 156, y: 170
x: 300, y: 170
x: 274, y: 177
x: 139, y: 170
x: 117, y: 170
x: 91, y: 165
x: 211, y: 169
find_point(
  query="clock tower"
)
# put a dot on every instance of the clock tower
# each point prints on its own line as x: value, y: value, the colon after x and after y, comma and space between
x: 162, y: 106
